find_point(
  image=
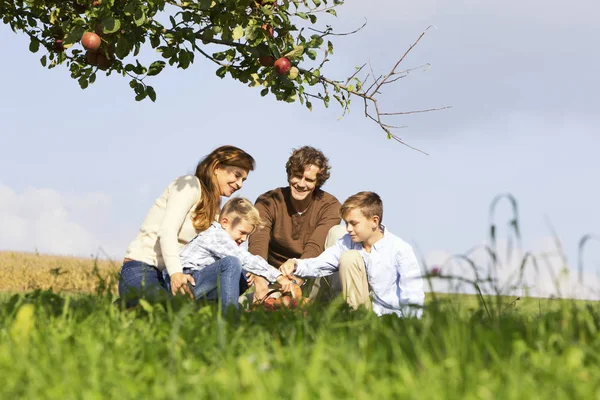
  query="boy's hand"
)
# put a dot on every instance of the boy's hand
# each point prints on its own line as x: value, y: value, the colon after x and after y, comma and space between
x: 288, y: 267
x: 179, y: 284
x: 286, y: 284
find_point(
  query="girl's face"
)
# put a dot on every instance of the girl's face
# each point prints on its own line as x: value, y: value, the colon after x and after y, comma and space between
x: 230, y: 179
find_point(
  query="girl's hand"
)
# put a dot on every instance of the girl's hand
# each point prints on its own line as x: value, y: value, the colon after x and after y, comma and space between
x: 179, y: 284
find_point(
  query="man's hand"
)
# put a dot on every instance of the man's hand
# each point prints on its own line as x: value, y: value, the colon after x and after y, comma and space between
x: 286, y: 284
x: 288, y: 267
x: 179, y: 284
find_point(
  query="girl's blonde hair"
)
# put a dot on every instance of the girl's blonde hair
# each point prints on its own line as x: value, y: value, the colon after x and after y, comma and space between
x: 208, y: 206
x: 240, y: 209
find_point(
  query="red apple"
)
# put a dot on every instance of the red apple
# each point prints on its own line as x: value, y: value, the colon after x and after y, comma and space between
x: 268, y: 29
x: 282, y: 66
x: 266, y: 61
x: 286, y: 301
x: 59, y: 46
x: 98, y: 59
x: 91, y: 41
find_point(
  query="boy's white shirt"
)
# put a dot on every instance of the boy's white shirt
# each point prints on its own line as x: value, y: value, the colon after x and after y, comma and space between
x: 393, y: 272
x: 214, y: 244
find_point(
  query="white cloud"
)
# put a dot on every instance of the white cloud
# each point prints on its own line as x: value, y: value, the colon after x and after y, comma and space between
x: 58, y: 223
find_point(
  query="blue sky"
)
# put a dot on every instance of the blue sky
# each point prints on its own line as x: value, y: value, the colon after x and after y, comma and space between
x: 80, y: 168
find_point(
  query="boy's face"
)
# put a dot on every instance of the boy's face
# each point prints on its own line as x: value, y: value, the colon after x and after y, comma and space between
x: 239, y: 232
x: 360, y: 227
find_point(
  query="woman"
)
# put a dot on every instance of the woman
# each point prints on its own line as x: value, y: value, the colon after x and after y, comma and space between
x: 187, y: 206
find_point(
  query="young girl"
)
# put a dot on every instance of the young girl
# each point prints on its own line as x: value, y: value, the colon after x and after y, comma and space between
x: 218, y: 264
x: 186, y: 207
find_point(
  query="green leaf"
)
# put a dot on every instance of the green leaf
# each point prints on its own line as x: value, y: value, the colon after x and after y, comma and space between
x: 302, y: 15
x: 332, y: 12
x: 143, y: 303
x: 151, y: 93
x: 206, y: 4
x: 34, y: 45
x: 83, y: 82
x: 74, y: 35
x: 238, y: 33
x: 313, y: 18
x: 317, y: 3
x: 129, y: 8
x: 185, y: 58
x: 139, y: 17
x: 43, y: 60
x: 122, y: 47
x: 111, y: 25
x: 141, y: 96
x: 93, y: 78
x: 221, y: 72
x: 155, y: 41
x: 296, y: 52
x: 264, y: 92
x: 156, y: 67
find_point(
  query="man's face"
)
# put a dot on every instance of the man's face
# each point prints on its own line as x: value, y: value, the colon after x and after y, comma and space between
x: 302, y: 185
x: 360, y: 227
x: 239, y: 232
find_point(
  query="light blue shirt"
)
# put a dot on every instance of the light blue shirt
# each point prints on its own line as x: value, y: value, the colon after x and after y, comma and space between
x: 214, y: 244
x: 393, y: 272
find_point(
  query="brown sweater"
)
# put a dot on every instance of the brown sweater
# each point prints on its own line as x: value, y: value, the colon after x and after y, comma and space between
x: 288, y: 234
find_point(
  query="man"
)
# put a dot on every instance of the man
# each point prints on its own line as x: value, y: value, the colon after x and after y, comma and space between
x: 377, y: 269
x: 297, y: 218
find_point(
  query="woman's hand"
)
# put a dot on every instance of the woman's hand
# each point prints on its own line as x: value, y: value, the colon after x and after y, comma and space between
x: 250, y: 278
x: 179, y: 284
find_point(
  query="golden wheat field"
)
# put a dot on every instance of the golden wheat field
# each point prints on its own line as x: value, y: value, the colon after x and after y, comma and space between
x: 21, y: 272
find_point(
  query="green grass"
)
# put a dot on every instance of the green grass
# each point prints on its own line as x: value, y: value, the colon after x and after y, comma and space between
x: 52, y: 346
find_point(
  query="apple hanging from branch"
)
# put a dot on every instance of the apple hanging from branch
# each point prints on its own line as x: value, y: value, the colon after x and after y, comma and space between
x: 282, y: 66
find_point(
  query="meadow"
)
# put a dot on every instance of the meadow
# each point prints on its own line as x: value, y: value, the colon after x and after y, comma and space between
x: 78, y: 344
x: 62, y: 337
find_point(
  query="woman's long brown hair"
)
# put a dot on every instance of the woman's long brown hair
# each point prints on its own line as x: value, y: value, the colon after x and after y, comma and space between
x: 208, y: 207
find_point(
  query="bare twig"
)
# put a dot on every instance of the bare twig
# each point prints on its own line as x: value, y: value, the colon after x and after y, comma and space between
x: 416, y: 111
x: 330, y: 33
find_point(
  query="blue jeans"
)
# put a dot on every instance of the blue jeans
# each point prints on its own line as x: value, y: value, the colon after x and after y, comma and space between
x: 140, y: 280
x: 222, y: 279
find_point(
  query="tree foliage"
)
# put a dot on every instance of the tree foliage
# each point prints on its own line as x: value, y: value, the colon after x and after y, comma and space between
x: 243, y: 38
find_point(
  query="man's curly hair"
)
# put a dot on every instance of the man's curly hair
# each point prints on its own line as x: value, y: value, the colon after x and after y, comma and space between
x: 305, y: 156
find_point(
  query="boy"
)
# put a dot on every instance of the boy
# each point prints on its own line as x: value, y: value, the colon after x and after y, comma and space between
x: 369, y: 256
x: 215, y: 260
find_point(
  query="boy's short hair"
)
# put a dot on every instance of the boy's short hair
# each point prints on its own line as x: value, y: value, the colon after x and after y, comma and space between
x: 369, y: 203
x: 305, y: 156
x: 242, y: 209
